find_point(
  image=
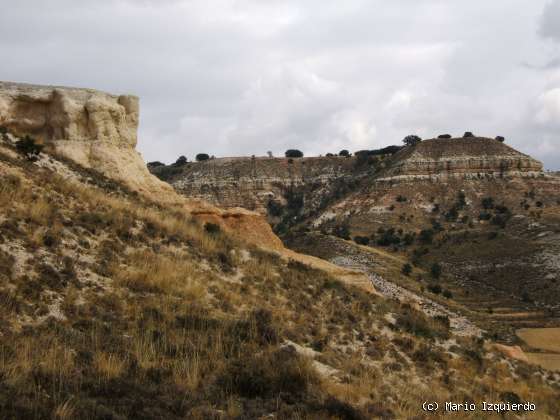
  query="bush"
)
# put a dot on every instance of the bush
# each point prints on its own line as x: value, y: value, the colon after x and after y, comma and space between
x: 342, y: 232
x: 293, y: 153
x: 447, y: 294
x: 408, y: 239
x: 468, y: 134
x: 426, y: 236
x: 444, y: 136
x: 435, y: 270
x: 434, y: 288
x: 484, y: 216
x: 415, y: 322
x: 183, y: 160
x: 461, y: 200
x: 268, y: 374
x: 155, y: 164
x: 488, y: 203
x: 212, y: 228
x: 401, y: 199
x: 275, y: 209
x: 500, y: 139
x: 344, y: 153
x: 29, y: 148
x: 406, y: 269
x: 411, y: 140
x: 388, y: 237
x: 201, y: 157
x: 452, y: 214
x: 361, y: 240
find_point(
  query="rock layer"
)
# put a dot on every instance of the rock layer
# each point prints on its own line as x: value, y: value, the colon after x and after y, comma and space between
x: 474, y: 157
x: 252, y: 183
x: 99, y: 130
x: 96, y: 129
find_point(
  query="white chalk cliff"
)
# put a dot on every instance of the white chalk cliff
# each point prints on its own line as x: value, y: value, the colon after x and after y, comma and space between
x: 96, y: 129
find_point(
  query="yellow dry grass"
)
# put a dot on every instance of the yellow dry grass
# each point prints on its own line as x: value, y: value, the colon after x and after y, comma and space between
x: 548, y: 361
x: 108, y: 366
x: 541, y: 338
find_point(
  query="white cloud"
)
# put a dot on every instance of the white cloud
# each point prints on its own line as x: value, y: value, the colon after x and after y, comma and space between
x: 549, y: 108
x: 245, y: 76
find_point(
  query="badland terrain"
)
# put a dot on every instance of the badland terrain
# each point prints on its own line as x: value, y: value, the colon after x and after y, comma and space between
x: 349, y: 287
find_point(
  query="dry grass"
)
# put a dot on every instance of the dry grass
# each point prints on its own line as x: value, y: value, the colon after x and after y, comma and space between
x: 541, y: 338
x: 161, y: 334
x: 108, y: 366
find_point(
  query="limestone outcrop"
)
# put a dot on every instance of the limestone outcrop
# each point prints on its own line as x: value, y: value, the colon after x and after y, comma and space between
x: 99, y: 130
x: 96, y: 129
x: 474, y: 157
x: 252, y: 183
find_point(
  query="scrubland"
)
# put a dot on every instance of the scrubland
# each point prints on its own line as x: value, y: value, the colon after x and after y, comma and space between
x: 114, y: 307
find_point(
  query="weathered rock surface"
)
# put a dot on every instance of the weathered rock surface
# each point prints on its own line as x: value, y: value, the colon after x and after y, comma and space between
x: 96, y: 129
x: 473, y: 157
x: 252, y: 183
x: 99, y: 130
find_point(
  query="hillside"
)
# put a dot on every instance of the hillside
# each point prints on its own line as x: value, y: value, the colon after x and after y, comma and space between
x: 470, y: 157
x: 119, y: 303
x: 483, y: 212
x: 274, y: 187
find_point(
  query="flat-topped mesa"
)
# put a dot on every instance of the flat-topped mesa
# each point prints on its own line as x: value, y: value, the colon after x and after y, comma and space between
x: 473, y: 157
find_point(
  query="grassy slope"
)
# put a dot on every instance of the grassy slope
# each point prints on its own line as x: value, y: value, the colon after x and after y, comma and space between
x: 113, y: 307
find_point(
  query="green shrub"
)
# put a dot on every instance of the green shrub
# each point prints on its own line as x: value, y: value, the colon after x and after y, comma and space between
x: 406, y: 269
x: 293, y: 153
x: 361, y: 240
x: 182, y: 160
x: 426, y: 236
x: 488, y: 203
x: 435, y: 270
x: 29, y: 148
x: 212, y: 228
x: 434, y: 288
x: 411, y: 140
x: 275, y: 209
x: 201, y: 157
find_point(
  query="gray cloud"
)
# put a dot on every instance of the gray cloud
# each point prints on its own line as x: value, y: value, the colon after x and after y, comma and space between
x: 233, y: 77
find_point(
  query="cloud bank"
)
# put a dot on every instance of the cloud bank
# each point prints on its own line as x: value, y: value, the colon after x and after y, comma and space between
x: 241, y: 77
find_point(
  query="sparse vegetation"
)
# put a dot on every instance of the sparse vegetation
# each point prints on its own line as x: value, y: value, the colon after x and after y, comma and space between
x: 293, y: 153
x: 201, y: 157
x: 411, y: 140
x: 29, y: 147
x: 406, y: 269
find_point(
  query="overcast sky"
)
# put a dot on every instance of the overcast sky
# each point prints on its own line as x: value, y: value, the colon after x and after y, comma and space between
x: 243, y: 77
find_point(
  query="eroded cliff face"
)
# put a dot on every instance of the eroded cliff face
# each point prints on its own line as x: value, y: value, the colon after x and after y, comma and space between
x: 474, y: 157
x: 282, y: 189
x: 99, y: 130
x: 95, y: 129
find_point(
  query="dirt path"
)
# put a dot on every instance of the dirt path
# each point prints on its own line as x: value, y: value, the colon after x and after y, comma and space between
x: 460, y: 325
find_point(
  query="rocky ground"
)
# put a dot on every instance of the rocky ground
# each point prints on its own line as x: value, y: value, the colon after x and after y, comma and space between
x: 459, y: 324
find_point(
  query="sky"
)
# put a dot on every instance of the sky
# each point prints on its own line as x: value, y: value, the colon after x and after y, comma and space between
x: 243, y: 77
